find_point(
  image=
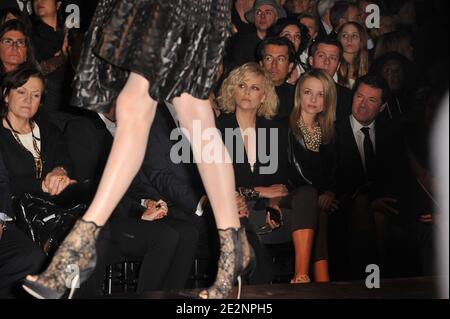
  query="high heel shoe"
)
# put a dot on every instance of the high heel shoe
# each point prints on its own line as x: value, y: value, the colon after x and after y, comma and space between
x: 236, y: 259
x: 72, y: 264
x: 302, y: 279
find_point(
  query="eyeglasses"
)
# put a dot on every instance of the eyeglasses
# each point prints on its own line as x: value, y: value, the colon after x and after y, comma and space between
x: 268, y: 13
x: 10, y: 42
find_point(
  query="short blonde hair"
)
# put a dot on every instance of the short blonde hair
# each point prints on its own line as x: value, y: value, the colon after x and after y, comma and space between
x: 226, y: 100
x: 327, y: 116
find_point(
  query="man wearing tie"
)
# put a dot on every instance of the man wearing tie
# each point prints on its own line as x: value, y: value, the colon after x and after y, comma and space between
x: 373, y: 178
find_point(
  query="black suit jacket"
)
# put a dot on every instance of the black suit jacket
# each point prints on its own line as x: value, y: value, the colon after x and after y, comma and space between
x: 161, y: 178
x: 344, y: 102
x: 89, y: 143
x: 392, y: 174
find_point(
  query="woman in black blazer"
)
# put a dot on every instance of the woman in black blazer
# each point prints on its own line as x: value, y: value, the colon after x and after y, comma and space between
x: 312, y: 159
x: 248, y: 101
x: 33, y: 151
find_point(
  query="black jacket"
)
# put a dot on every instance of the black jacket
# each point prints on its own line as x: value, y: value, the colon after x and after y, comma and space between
x: 344, y: 102
x: 5, y: 195
x: 20, y: 162
x: 318, y: 169
x: 161, y: 178
x: 242, y: 172
x: 89, y: 143
x: 392, y: 166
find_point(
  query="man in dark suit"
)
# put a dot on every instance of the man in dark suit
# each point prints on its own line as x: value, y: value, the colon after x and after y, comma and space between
x: 373, y: 177
x: 159, y: 178
x: 326, y: 54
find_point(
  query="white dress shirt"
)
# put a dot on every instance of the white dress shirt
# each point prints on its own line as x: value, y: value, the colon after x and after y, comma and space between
x: 359, y: 136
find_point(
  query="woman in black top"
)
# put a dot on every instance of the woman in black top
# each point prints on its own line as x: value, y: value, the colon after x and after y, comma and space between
x: 249, y: 104
x: 34, y: 151
x: 312, y: 159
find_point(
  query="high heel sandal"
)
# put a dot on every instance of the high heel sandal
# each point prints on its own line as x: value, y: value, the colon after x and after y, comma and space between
x: 72, y: 264
x: 302, y: 279
x: 236, y: 259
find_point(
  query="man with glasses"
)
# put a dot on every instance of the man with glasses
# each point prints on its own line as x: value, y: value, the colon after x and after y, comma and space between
x: 242, y: 49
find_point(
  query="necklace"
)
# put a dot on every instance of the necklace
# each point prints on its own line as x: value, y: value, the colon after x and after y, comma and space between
x: 38, y: 165
x: 314, y: 140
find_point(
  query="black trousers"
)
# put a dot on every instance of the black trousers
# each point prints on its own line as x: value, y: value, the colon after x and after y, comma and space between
x: 167, y: 248
x: 19, y: 257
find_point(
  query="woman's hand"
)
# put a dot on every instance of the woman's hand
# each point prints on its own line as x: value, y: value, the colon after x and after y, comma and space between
x: 273, y: 191
x: 271, y: 222
x: 56, y: 181
x: 155, y: 210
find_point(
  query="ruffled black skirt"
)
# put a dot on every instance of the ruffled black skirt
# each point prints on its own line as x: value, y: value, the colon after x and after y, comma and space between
x: 176, y: 44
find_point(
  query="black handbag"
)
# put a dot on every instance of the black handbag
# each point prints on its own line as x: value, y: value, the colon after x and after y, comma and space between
x: 47, y: 220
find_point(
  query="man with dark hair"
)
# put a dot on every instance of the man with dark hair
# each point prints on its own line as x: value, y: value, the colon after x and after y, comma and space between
x: 342, y: 12
x: 326, y: 54
x: 277, y: 56
x: 242, y: 47
x: 373, y: 178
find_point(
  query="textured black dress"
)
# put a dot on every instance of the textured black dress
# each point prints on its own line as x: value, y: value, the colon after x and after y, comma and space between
x: 175, y: 44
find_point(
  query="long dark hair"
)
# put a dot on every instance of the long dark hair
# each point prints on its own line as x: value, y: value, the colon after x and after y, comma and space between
x: 17, y: 25
x: 15, y: 79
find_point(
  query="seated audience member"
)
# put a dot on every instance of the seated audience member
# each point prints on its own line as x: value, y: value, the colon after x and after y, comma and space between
x: 299, y: 37
x: 277, y: 56
x: 297, y: 7
x: 373, y: 180
x: 165, y: 237
x: 313, y: 158
x: 15, y: 47
x: 355, y: 62
x: 19, y: 255
x: 326, y: 54
x: 341, y: 13
x: 324, y: 13
x: 242, y: 46
x: 398, y: 41
x: 52, y: 51
x: 249, y: 102
x: 312, y: 24
x: 396, y: 70
x: 34, y: 151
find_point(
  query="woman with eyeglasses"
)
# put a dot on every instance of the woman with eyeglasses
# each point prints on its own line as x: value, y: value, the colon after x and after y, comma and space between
x: 15, y: 46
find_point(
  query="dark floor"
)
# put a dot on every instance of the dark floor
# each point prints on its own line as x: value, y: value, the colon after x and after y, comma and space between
x: 408, y: 288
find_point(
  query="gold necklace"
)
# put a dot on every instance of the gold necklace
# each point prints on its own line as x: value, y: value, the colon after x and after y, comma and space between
x: 38, y: 165
x: 314, y: 140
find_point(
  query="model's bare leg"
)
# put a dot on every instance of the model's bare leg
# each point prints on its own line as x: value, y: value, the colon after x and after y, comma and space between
x: 218, y: 179
x: 135, y: 111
